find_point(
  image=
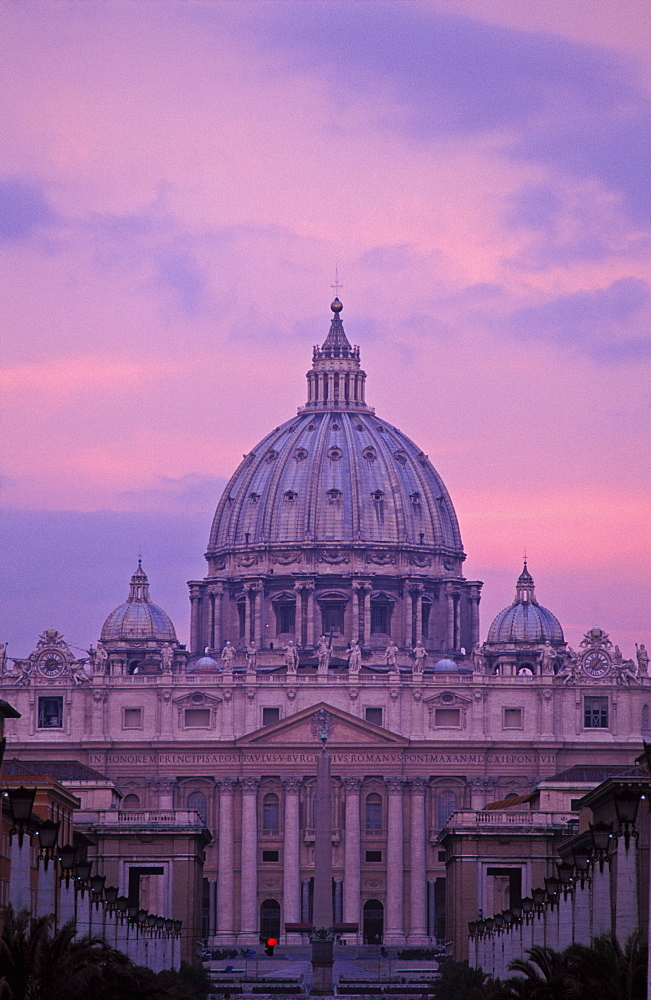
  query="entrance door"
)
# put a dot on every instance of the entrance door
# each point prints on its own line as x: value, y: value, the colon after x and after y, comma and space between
x: 373, y: 921
x: 270, y: 919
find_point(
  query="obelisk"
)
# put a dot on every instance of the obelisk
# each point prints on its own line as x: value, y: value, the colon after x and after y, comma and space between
x: 322, y: 900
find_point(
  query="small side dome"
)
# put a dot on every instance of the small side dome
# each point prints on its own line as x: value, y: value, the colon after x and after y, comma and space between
x: 446, y: 665
x: 525, y: 620
x: 206, y: 662
x: 138, y: 618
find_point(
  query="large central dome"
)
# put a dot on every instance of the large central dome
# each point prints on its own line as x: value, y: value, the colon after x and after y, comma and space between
x: 336, y: 473
x: 335, y: 524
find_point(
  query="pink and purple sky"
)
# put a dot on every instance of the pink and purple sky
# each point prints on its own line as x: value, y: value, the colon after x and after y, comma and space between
x: 178, y: 180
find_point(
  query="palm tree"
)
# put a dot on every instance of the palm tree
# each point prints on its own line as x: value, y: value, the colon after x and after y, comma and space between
x: 545, y: 975
x: 609, y: 971
x: 38, y: 964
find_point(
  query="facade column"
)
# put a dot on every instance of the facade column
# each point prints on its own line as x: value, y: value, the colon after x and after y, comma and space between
x: 581, y: 911
x: 291, y: 856
x: 46, y: 892
x: 225, y: 929
x: 418, y: 881
x: 212, y: 903
x: 394, y: 931
x: 249, y: 863
x: 338, y: 899
x: 306, y: 916
x: 352, y: 860
x: 419, y: 613
x: 164, y: 790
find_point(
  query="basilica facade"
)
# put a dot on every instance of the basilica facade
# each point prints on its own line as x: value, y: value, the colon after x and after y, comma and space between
x: 334, y: 580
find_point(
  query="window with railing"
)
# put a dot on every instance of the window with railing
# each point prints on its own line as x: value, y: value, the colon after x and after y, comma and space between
x: 270, y: 814
x: 373, y: 817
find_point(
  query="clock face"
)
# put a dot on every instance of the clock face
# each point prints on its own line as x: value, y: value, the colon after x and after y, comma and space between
x: 51, y: 663
x: 596, y: 663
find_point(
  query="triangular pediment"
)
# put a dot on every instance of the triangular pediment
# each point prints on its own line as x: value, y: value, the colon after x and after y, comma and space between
x: 299, y: 729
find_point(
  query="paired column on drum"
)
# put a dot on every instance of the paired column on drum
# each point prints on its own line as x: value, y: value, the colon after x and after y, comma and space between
x: 215, y: 591
x: 252, y: 617
x: 291, y: 854
x: 360, y: 611
x: 249, y: 863
x: 225, y: 928
x: 394, y: 932
x: 352, y: 845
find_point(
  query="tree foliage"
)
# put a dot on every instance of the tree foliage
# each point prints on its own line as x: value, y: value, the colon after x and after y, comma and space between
x: 39, y: 963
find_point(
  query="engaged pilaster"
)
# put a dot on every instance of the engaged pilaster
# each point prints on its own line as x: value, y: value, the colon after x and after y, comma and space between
x: 249, y: 863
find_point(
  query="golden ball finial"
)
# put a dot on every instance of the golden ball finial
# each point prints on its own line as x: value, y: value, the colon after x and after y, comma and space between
x: 336, y: 305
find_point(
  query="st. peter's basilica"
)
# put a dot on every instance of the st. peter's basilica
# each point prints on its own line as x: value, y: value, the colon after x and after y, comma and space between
x: 334, y: 578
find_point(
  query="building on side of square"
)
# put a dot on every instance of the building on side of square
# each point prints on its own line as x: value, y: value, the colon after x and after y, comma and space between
x: 334, y: 580
x: 554, y: 870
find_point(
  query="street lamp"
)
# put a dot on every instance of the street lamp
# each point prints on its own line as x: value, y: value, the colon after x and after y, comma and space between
x: 551, y: 886
x: 601, y: 836
x: 82, y: 872
x: 111, y: 897
x: 565, y: 876
x: 581, y: 863
x: 97, y: 883
x: 527, y: 907
x: 48, y: 835
x: 21, y: 801
x: 626, y: 806
x: 67, y: 856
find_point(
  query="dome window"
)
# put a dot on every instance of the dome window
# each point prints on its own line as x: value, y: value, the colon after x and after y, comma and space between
x: 360, y: 427
x: 290, y: 496
x: 334, y: 495
x: 369, y: 454
x: 300, y: 454
x: 335, y: 427
x: 415, y: 499
x: 335, y: 454
x: 271, y: 456
x: 377, y: 495
x: 254, y: 497
x: 310, y: 427
x: 400, y: 457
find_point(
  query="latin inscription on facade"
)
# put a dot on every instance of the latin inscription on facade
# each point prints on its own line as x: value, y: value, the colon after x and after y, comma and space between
x: 338, y: 757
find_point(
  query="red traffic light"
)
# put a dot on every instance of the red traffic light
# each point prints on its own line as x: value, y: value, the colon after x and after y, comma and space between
x: 271, y: 942
x: 269, y: 946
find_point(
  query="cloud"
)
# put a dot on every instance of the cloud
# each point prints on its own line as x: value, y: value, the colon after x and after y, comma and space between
x: 602, y: 322
x: 24, y: 210
x: 195, y: 492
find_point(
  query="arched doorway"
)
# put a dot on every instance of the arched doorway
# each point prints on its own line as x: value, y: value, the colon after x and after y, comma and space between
x: 373, y: 921
x: 270, y: 919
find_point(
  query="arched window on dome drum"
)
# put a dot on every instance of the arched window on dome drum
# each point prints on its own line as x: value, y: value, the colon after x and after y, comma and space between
x: 241, y: 616
x: 270, y: 813
x: 447, y: 803
x: 198, y: 802
x: 426, y: 610
x: 373, y: 808
x: 381, y: 616
x: 285, y: 617
x: 131, y: 801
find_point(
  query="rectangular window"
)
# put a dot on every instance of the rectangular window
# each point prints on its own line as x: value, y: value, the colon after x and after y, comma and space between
x: 270, y: 855
x: 374, y: 855
x: 332, y: 618
x: 50, y: 713
x: 132, y: 718
x: 442, y: 856
x: 197, y: 718
x: 270, y: 715
x: 447, y: 717
x: 512, y: 718
x: 373, y: 715
x: 574, y: 804
x: 595, y: 713
x: 380, y: 617
x: 286, y: 617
